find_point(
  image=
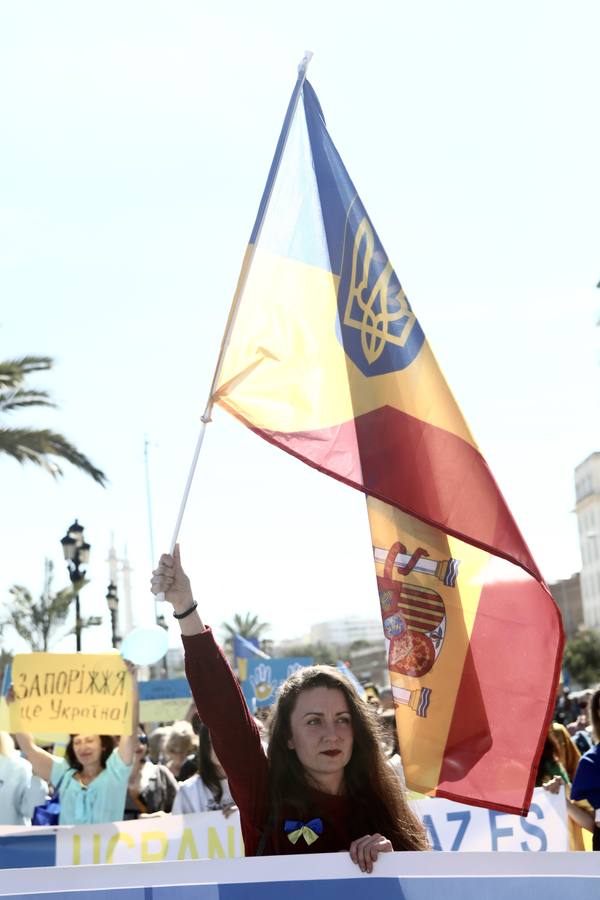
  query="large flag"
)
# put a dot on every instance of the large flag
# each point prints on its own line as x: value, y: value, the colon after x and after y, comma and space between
x: 326, y: 359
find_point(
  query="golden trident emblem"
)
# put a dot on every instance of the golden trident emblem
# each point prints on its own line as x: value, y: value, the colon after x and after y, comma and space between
x: 393, y: 305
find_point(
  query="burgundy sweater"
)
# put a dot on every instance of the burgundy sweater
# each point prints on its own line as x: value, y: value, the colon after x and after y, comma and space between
x: 237, y: 743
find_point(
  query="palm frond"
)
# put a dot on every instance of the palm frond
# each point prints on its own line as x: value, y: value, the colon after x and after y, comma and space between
x: 248, y: 626
x: 37, y: 621
x: 28, y: 445
x: 14, y: 371
x: 16, y: 399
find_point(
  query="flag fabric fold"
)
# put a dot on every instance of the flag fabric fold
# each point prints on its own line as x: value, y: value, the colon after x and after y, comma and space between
x: 327, y: 360
x: 472, y: 643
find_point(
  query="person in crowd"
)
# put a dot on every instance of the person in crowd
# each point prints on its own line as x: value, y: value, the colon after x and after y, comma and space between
x: 581, y: 729
x: 568, y: 753
x: 261, y: 714
x: 157, y: 741
x: 391, y: 744
x: 581, y: 737
x: 208, y: 789
x: 263, y: 733
x: 180, y: 750
x: 152, y: 787
x: 20, y: 790
x: 586, y: 784
x: 92, y: 779
x: 372, y: 696
x: 190, y: 766
x: 552, y: 774
x: 565, y: 707
x: 325, y: 784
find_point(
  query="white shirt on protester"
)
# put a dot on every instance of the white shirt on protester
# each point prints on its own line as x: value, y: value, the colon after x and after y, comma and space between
x: 193, y: 796
x: 20, y: 791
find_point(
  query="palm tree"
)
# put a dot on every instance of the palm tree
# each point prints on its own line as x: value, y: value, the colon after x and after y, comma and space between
x: 37, y: 622
x: 247, y: 626
x: 40, y: 445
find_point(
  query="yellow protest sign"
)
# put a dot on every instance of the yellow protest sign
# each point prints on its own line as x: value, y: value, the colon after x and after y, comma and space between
x: 4, y: 715
x: 77, y: 693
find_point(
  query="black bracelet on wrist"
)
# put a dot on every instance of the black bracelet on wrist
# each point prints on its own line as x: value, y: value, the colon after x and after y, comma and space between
x: 186, y: 613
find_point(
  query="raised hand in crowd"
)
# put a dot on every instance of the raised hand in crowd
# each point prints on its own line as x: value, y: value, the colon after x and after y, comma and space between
x: 92, y: 778
x: 169, y: 579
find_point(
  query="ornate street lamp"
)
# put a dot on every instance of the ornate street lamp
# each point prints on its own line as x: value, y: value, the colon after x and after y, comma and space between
x: 162, y: 622
x: 112, y: 600
x: 76, y: 553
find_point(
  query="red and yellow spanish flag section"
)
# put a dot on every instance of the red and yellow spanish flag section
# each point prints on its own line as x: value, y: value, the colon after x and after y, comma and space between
x: 327, y: 360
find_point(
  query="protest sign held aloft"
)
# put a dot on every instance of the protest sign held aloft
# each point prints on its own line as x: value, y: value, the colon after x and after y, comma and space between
x: 264, y: 678
x: 71, y: 692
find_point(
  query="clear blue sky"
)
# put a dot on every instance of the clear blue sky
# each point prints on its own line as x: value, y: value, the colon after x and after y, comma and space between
x: 135, y: 142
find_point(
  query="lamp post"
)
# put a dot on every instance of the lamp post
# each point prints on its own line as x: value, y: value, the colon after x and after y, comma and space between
x: 76, y: 553
x: 162, y: 622
x: 112, y: 600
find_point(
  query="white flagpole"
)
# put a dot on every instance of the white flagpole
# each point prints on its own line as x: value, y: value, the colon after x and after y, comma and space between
x: 266, y: 198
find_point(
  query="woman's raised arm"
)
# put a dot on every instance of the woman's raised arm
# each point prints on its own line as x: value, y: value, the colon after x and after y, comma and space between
x: 41, y: 761
x: 219, y: 700
x: 129, y: 742
x: 170, y: 579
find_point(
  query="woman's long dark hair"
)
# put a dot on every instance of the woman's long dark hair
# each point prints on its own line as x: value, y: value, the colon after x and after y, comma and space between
x: 376, y: 795
x: 108, y: 745
x: 206, y: 767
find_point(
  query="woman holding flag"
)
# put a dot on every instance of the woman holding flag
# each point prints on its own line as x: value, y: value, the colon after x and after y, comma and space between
x: 324, y: 785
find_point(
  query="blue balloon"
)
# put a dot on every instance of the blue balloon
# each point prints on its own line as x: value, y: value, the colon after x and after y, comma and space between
x: 145, y: 646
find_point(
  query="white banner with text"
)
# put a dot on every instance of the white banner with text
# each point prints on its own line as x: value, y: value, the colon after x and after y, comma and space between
x: 451, y: 827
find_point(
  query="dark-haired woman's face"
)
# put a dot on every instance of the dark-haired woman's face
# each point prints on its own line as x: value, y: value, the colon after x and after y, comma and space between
x: 321, y: 732
x: 87, y: 749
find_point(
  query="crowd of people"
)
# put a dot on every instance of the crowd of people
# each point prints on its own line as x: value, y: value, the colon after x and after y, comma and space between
x: 102, y: 778
x: 570, y: 760
x: 174, y: 769
x: 324, y: 774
